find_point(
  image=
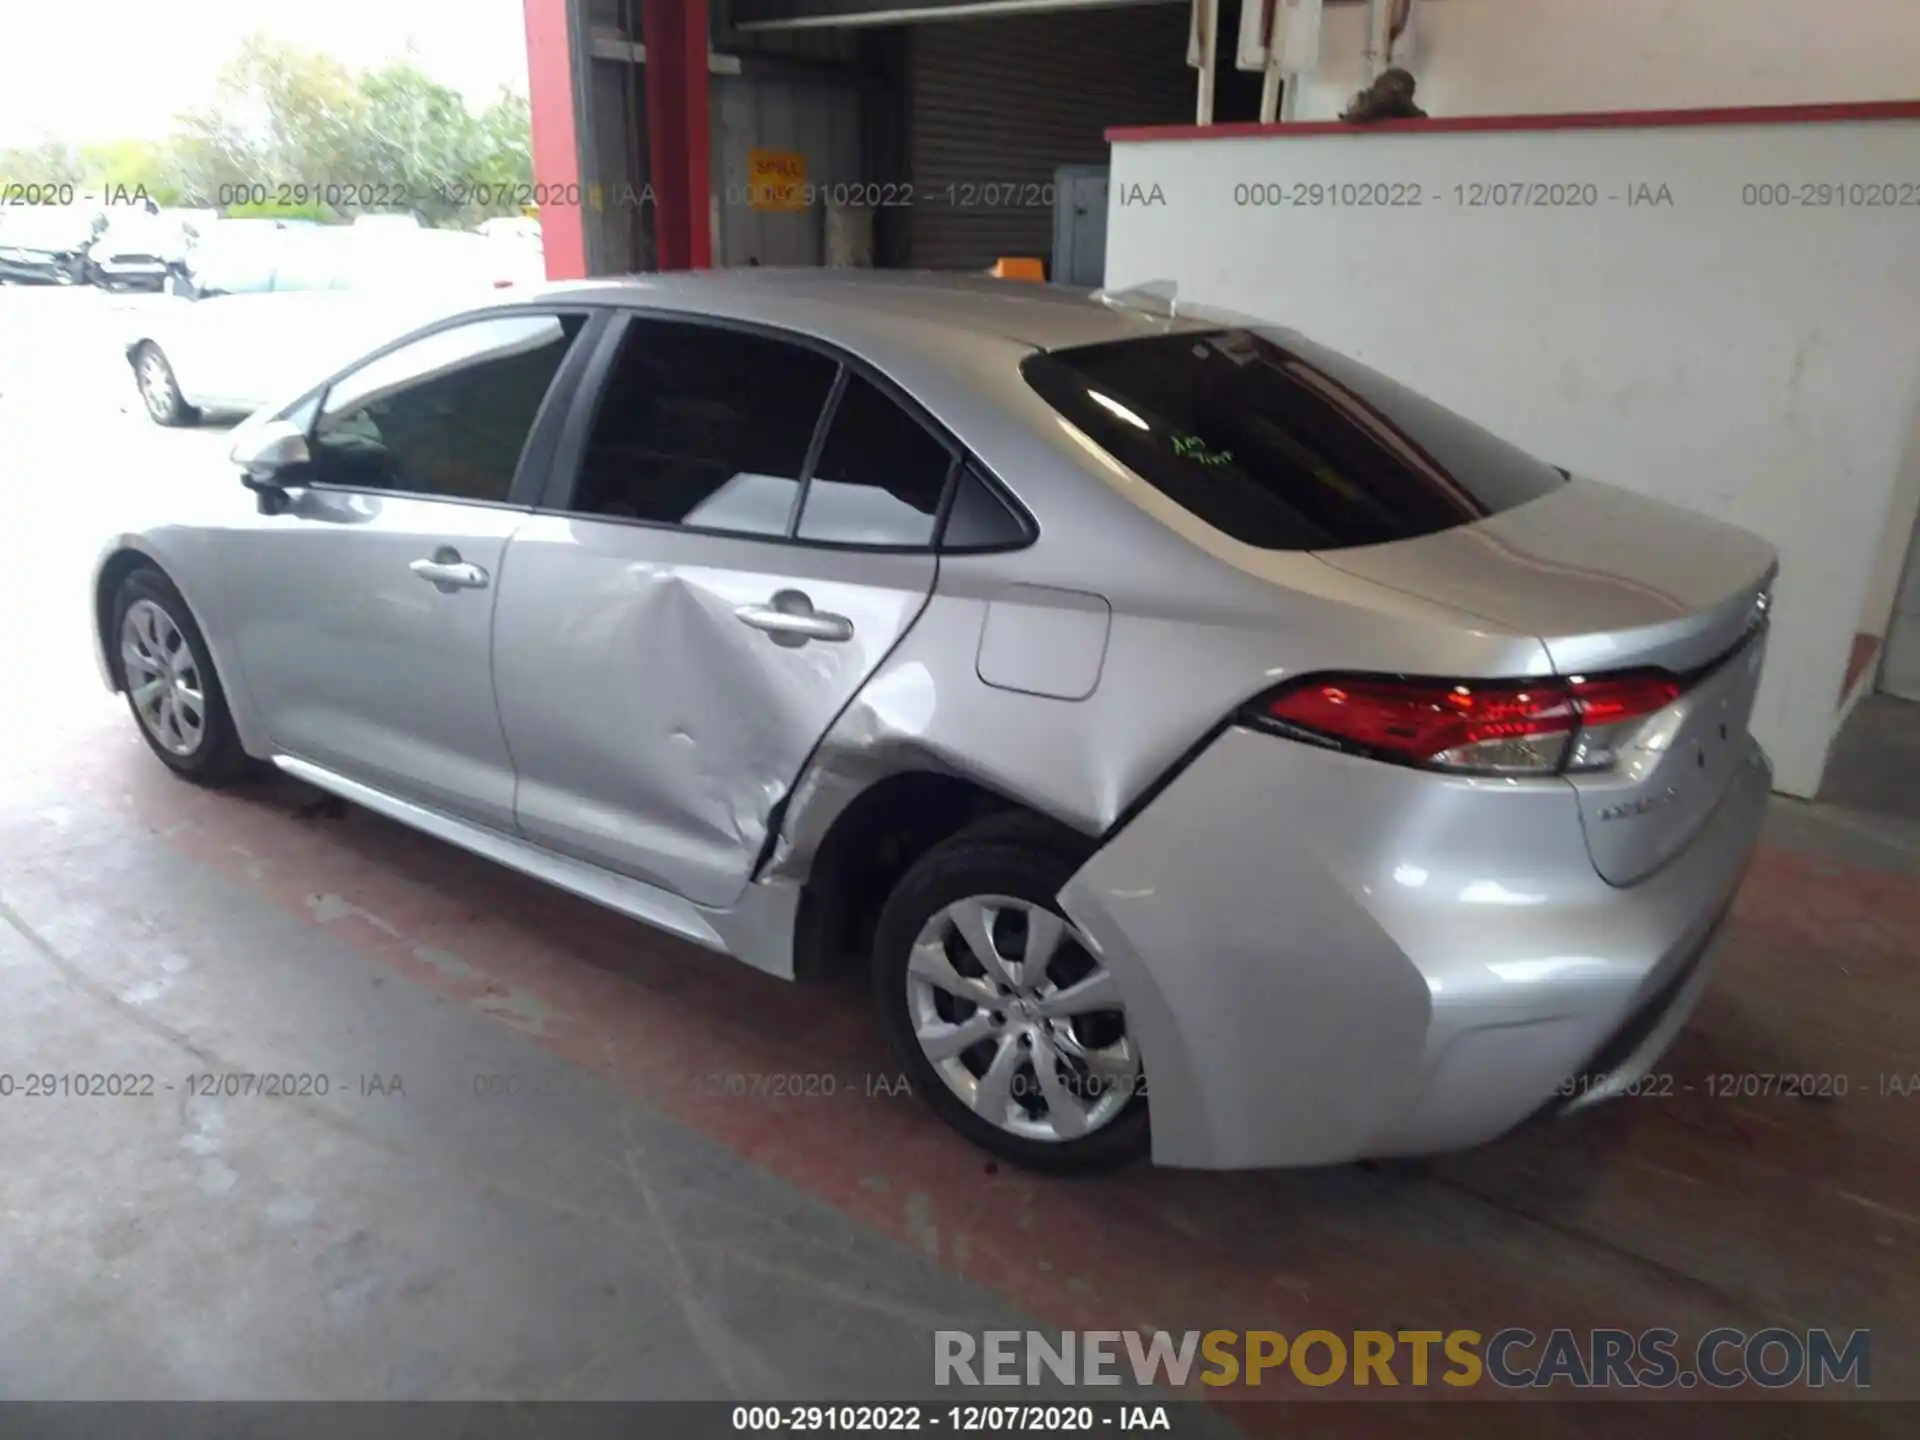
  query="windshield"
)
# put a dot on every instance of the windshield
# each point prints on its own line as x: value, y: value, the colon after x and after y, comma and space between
x: 1282, y: 444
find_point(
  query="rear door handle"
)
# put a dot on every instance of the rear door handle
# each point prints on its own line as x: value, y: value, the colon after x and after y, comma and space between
x: 792, y: 621
x: 447, y: 572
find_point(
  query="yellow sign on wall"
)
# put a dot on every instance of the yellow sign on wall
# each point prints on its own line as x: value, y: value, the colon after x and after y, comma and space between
x: 776, y: 180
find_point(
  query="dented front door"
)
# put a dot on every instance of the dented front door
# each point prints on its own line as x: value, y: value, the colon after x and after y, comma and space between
x: 661, y: 689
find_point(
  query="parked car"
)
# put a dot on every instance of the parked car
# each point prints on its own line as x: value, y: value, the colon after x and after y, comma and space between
x: 45, y: 244
x: 275, y: 302
x: 230, y: 257
x: 1140, y: 699
x: 136, y: 249
x: 513, y: 229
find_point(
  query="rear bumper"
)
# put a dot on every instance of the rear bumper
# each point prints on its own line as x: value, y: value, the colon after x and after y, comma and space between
x: 1326, y: 958
x: 149, y: 272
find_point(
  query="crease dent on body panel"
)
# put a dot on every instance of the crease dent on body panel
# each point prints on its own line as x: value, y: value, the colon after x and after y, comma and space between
x: 884, y: 730
x: 732, y: 713
x: 880, y: 731
x: 889, y: 729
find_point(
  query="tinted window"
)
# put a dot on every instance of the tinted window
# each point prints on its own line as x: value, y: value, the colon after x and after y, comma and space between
x: 979, y: 520
x: 447, y: 414
x: 705, y: 427
x: 880, y: 475
x: 1283, y: 444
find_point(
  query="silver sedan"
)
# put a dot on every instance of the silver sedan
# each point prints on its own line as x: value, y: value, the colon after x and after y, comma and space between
x: 1182, y: 722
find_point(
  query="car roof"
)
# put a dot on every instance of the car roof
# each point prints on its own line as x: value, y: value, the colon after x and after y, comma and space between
x: 843, y: 303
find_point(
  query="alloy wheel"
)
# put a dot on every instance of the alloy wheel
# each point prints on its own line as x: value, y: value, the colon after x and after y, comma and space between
x: 166, y: 680
x: 156, y: 385
x: 1017, y: 1015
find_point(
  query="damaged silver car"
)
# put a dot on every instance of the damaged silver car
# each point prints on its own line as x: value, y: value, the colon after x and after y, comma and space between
x: 1214, y: 749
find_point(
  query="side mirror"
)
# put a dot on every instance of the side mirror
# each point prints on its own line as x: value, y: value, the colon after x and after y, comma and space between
x: 269, y: 459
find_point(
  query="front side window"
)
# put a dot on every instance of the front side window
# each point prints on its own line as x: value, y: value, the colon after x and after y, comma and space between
x: 1282, y: 444
x: 445, y: 415
x: 703, y: 427
x: 880, y: 475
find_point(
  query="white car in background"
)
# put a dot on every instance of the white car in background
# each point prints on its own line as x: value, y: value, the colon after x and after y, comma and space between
x: 300, y: 299
x: 137, y: 249
x: 513, y: 229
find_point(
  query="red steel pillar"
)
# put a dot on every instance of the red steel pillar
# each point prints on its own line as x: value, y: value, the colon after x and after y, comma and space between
x: 679, y: 145
x: 556, y: 145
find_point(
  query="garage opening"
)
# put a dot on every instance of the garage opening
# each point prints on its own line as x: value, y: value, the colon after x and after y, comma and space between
x: 920, y: 136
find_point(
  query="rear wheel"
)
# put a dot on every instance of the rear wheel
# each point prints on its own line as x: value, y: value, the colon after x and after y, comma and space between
x: 159, y: 390
x: 167, y: 673
x: 999, y: 1009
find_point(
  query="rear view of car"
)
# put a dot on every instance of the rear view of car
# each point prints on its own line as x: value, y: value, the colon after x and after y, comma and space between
x: 1459, y: 877
x: 136, y: 250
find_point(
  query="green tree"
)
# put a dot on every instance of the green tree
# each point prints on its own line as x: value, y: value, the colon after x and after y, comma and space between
x: 279, y: 116
x: 300, y: 130
x: 131, y: 166
x: 422, y: 140
x: 50, y: 162
x: 288, y: 131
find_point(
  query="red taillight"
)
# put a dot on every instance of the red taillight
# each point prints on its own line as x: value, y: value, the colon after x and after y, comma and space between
x: 1503, y: 727
x: 1609, y: 699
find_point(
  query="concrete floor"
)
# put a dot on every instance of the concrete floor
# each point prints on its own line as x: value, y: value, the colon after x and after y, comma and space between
x: 616, y: 1225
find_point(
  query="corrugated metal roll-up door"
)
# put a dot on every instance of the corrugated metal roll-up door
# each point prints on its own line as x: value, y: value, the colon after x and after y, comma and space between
x: 995, y: 106
x: 820, y: 124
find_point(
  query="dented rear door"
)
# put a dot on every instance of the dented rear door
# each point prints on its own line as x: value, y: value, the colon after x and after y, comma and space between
x: 673, y: 635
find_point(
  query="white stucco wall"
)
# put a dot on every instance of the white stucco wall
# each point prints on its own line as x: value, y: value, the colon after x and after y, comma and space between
x: 1758, y: 363
x: 1518, y: 57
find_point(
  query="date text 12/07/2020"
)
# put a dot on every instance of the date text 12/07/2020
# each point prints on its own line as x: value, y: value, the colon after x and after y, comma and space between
x: 1418, y: 195
x: 381, y: 195
x: 206, y: 1084
x: 1750, y: 1085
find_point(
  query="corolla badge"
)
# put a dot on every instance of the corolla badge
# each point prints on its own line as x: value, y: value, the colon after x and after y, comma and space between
x: 1641, y: 806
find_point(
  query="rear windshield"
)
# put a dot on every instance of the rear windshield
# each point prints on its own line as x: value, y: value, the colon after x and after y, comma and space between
x: 1282, y: 444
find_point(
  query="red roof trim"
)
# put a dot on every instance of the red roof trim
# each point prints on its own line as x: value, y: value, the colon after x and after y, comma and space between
x: 1589, y: 120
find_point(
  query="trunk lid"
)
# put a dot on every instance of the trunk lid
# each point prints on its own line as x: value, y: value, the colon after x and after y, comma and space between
x: 1610, y: 580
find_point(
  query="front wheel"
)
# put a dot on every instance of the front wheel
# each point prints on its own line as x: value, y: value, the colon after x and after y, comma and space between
x: 159, y: 390
x: 166, y: 670
x: 1000, y: 1010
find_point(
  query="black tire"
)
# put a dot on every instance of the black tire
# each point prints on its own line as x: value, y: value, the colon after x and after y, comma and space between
x: 217, y: 759
x: 1023, y: 858
x: 159, y: 390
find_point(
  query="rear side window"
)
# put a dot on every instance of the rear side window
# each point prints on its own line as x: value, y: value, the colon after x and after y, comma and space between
x: 979, y: 520
x: 880, y: 475
x: 703, y: 427
x: 1282, y: 444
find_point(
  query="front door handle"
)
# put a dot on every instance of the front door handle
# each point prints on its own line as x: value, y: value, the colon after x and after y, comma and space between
x: 447, y: 572
x: 792, y: 621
